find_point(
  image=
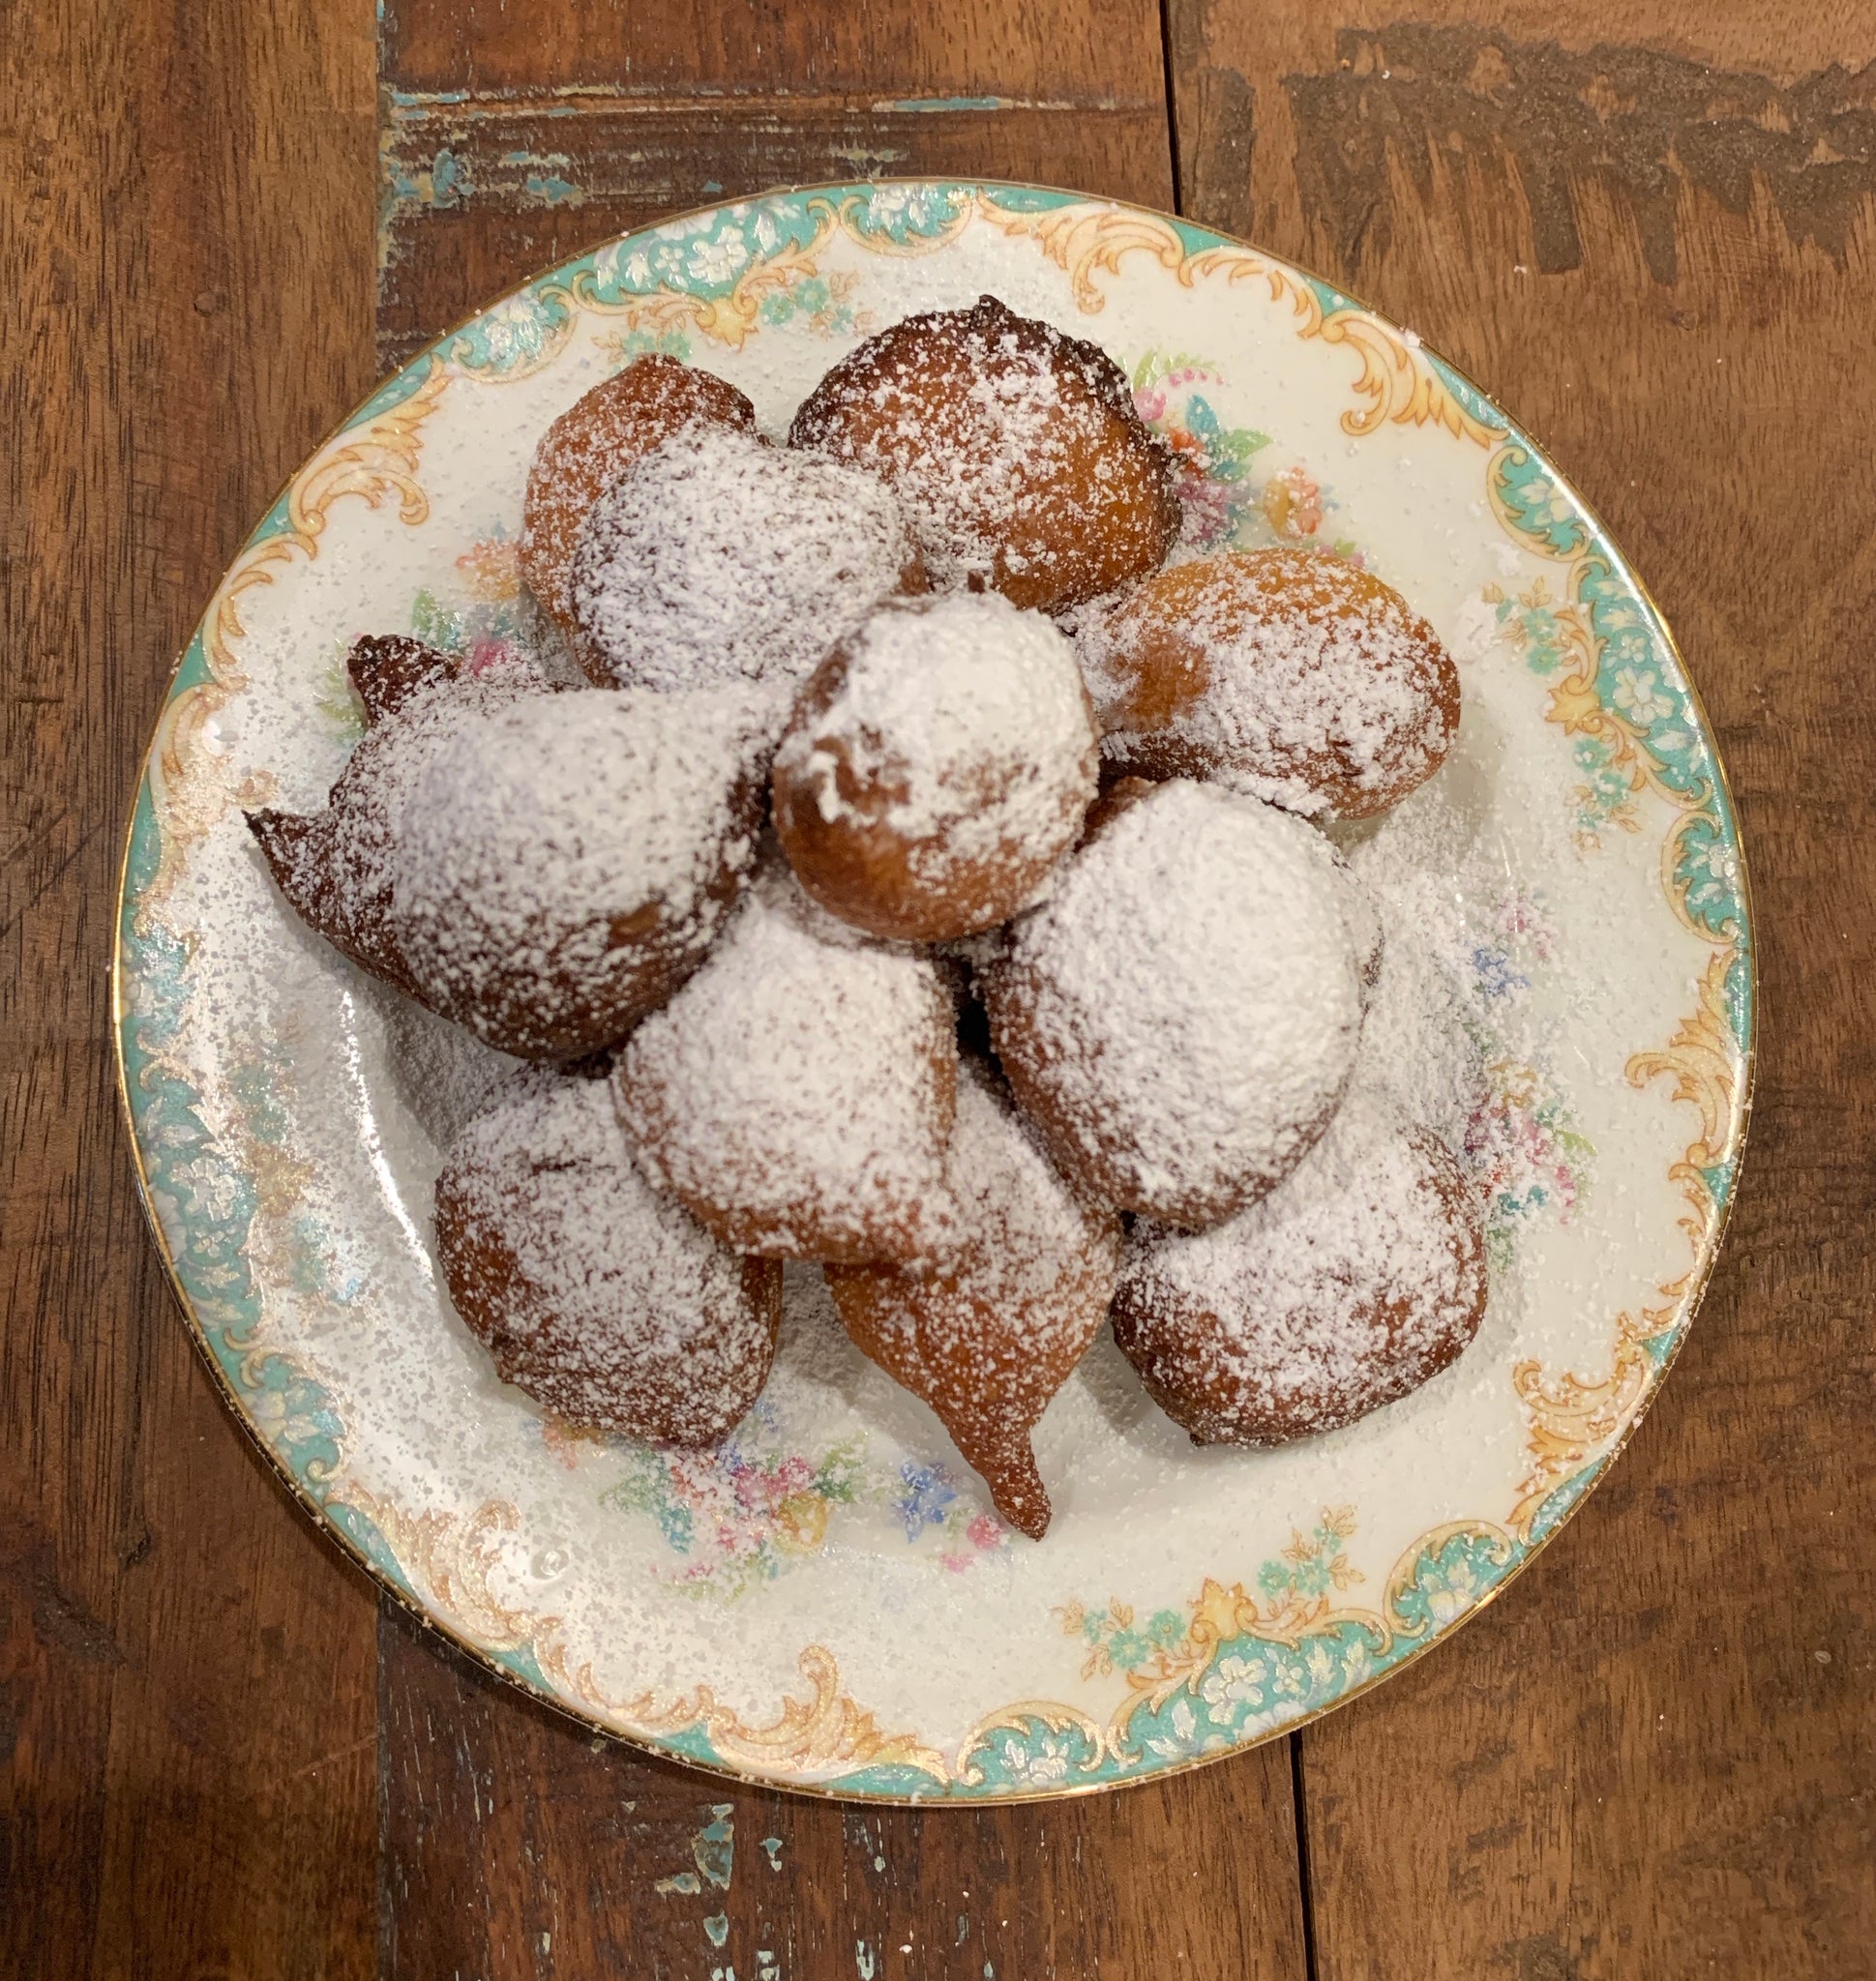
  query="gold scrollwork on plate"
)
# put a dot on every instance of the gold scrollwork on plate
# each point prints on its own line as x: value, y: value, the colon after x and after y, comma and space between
x: 853, y: 210
x: 1703, y: 1060
x: 1407, y: 1570
x: 1398, y: 385
x: 826, y: 1732
x: 727, y: 319
x: 1571, y: 1417
x: 1304, y: 1586
x: 1219, y: 1614
x: 453, y: 1560
x: 1302, y: 1615
x: 191, y: 783
x: 1053, y: 1716
x: 1088, y: 241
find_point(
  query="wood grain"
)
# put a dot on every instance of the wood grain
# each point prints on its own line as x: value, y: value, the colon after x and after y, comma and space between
x: 186, y: 1705
x: 513, y: 138
x: 1087, y: 51
x: 551, y: 146
x: 1656, y: 238
x: 518, y: 1844
x: 1653, y: 1755
x: 529, y: 184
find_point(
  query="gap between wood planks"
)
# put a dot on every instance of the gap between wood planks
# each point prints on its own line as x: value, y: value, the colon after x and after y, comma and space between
x: 479, y: 188
x: 1300, y: 1804
x: 1299, y: 1799
x: 1169, y: 69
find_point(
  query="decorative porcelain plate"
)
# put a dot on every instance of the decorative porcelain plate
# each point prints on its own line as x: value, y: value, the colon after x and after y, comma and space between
x: 828, y: 1602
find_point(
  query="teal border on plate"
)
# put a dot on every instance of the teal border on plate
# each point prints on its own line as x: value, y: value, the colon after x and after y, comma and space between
x: 1250, y: 1685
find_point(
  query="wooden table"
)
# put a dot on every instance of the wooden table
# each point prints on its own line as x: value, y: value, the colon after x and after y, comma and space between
x: 1656, y: 238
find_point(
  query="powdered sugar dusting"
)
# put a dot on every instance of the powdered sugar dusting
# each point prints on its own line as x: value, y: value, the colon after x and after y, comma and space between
x: 1030, y: 1242
x: 991, y: 1335
x: 1347, y: 1287
x: 962, y: 727
x: 1015, y: 451
x: 289, y: 1174
x: 594, y: 441
x: 617, y: 1289
x: 1427, y: 875
x: 1367, y: 926
x: 964, y: 487
x: 716, y: 558
x: 560, y: 848
x: 798, y: 1091
x: 340, y: 869
x: 445, y: 1075
x: 1186, y: 1001
x: 1299, y: 699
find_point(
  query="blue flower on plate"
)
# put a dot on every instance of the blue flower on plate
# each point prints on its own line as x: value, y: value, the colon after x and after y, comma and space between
x: 1496, y: 975
x: 927, y: 1499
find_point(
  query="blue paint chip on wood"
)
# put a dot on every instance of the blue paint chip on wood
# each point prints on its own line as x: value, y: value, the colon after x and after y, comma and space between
x: 714, y: 1847
x: 941, y: 104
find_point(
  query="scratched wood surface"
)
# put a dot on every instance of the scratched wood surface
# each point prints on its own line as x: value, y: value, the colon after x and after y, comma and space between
x: 618, y: 125
x: 514, y: 136
x: 186, y: 1711
x: 516, y: 1843
x: 1651, y: 236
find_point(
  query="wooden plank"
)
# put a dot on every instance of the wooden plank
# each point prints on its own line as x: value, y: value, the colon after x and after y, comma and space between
x: 515, y: 1846
x: 186, y: 1712
x: 1087, y: 51
x: 518, y: 1845
x: 1653, y: 1755
x: 524, y: 184
x: 512, y: 139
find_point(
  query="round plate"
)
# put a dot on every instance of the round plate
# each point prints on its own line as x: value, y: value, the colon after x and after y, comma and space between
x: 828, y: 1602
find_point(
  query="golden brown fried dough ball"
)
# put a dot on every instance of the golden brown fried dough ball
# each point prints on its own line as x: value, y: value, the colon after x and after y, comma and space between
x: 1180, y: 1016
x: 1350, y: 1285
x: 937, y: 765
x: 337, y: 868
x: 567, y: 862
x: 1284, y: 674
x: 989, y: 1338
x: 598, y: 1295
x: 716, y: 559
x: 797, y: 1093
x: 593, y: 442
x: 1016, y: 450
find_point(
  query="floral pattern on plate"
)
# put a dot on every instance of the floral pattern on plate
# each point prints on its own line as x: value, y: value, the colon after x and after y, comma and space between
x: 285, y: 1181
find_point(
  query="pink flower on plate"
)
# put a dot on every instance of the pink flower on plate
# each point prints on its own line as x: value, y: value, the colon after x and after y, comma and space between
x: 489, y: 653
x: 1207, y: 507
x: 986, y: 1531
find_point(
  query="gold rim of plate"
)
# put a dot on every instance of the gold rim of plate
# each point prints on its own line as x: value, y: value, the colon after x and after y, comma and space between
x: 1700, y: 1279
